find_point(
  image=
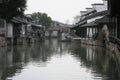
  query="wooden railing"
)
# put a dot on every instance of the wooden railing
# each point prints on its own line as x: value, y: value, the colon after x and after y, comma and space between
x: 116, y: 41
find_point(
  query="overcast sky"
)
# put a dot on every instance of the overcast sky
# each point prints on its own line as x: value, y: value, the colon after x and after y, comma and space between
x: 59, y: 10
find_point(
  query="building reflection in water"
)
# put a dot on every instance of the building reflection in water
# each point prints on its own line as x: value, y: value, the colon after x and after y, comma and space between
x: 98, y: 60
x: 13, y: 59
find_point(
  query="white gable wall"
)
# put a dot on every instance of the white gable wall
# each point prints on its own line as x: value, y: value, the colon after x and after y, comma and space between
x: 23, y: 30
x: 105, y: 2
x: 98, y: 7
x: 89, y: 9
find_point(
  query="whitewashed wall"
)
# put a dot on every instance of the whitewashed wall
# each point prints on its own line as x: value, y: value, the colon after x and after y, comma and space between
x: 9, y: 30
x: 98, y: 7
x: 105, y: 2
x: 90, y: 32
x: 89, y: 9
x: 29, y: 28
x: 23, y: 30
x: 54, y: 34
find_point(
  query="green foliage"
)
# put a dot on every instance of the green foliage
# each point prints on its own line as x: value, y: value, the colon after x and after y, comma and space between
x: 12, y: 8
x: 42, y: 18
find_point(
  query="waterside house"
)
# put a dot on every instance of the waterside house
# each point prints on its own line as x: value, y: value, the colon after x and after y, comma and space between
x: 20, y: 30
x: 91, y: 23
x: 100, y: 25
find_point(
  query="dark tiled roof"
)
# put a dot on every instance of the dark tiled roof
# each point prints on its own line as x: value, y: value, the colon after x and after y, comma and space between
x: 89, y: 13
x: 83, y: 23
x: 88, y: 8
x: 95, y: 15
x: 37, y: 26
x: 97, y: 4
x: 79, y: 24
x: 104, y: 19
x: 91, y: 24
x: 16, y: 20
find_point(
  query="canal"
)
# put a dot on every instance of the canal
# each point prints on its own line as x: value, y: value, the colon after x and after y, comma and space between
x: 53, y: 60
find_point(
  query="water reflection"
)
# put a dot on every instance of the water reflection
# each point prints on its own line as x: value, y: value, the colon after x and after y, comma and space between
x: 53, y: 60
x: 103, y: 65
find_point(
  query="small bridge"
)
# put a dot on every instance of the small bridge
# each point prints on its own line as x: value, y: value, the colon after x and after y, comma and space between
x: 59, y: 28
x: 56, y: 31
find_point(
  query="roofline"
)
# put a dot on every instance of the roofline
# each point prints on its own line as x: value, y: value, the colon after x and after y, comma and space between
x: 95, y: 14
x: 89, y: 12
x: 83, y: 11
x: 89, y: 8
x: 97, y: 4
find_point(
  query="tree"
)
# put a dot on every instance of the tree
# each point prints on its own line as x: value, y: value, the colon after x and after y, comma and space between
x: 76, y: 19
x: 42, y: 18
x: 12, y: 8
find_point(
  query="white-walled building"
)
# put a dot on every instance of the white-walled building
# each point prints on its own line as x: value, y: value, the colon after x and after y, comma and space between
x: 96, y: 7
x: 87, y: 26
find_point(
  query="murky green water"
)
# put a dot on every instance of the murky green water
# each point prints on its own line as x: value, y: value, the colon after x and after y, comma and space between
x: 53, y: 60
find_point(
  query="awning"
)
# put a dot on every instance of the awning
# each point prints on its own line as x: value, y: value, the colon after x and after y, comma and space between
x: 91, y: 24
